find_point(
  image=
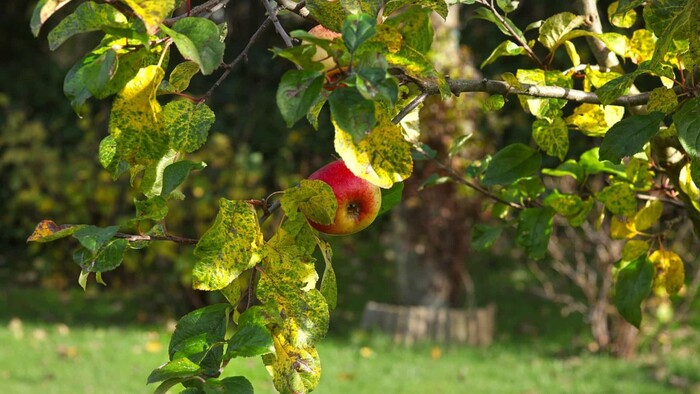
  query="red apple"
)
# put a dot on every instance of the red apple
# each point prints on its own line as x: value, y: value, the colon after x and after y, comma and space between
x: 321, y: 54
x: 358, y: 200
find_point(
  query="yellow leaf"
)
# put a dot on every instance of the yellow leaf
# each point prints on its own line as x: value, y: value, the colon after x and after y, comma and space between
x: 685, y: 181
x: 624, y: 20
x: 649, y: 215
x: 293, y: 369
x: 151, y: 12
x: 670, y: 272
x: 382, y: 157
x: 633, y: 249
x: 622, y: 230
x: 641, y: 46
x: 594, y: 120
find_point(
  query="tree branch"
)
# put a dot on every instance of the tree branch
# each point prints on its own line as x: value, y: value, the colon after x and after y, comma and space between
x: 458, y: 86
x: 272, y: 14
x: 298, y: 8
x: 209, y: 7
x: 173, y: 238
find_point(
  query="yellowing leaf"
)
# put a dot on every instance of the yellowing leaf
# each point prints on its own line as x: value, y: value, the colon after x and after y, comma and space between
x: 641, y: 46
x: 136, y: 123
x: 232, y: 245
x: 649, y: 215
x: 382, y: 157
x: 314, y: 198
x: 151, y: 12
x: 48, y: 230
x: 552, y: 137
x: 633, y: 249
x: 597, y: 78
x: 623, y: 19
x: 685, y: 181
x: 622, y: 230
x: 662, y: 100
x: 595, y: 120
x: 619, y: 198
x: 670, y: 273
x: 293, y: 369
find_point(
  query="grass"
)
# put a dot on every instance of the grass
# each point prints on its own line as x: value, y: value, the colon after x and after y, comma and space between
x: 89, y: 343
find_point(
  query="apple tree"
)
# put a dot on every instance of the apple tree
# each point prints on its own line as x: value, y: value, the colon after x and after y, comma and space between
x: 372, y: 69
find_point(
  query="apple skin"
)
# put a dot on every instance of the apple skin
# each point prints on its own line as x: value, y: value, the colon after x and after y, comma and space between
x: 321, y: 55
x: 358, y: 200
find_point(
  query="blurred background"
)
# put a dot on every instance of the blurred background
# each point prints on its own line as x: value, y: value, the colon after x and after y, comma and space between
x: 508, y: 324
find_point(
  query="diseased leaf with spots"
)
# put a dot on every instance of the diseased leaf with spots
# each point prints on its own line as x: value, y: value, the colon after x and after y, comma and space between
x: 330, y: 14
x: 557, y: 28
x: 415, y: 27
x: 628, y: 136
x: 180, y: 78
x: 439, y: 6
x: 48, y: 230
x: 595, y: 120
x: 382, y: 157
x: 543, y: 107
x: 662, y: 100
x: 552, y: 136
x: 151, y: 12
x: 152, y: 180
x: 232, y: 245
x: 564, y: 204
x: 293, y: 369
x: 313, y: 198
x: 155, y: 208
x: 329, y: 283
x: 619, y: 198
x: 43, y: 11
x: 89, y: 16
x: 622, y: 19
x: 670, y: 273
x: 511, y: 163
x: 136, y: 123
x: 534, y: 229
x: 353, y: 113
x: 632, y: 286
x: 617, y: 87
x: 197, y: 39
x: 187, y: 124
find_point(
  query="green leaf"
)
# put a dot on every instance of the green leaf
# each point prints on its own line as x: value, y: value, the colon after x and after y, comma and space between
x: 93, y: 237
x: 155, y: 208
x: 357, y: 29
x: 591, y: 164
x: 152, y: 12
x: 568, y: 168
x: 329, y: 283
x: 506, y: 48
x: 297, y: 93
x: 383, y: 157
x: 176, y: 369
x: 627, y: 137
x: 616, y: 87
x: 314, y: 198
x: 180, y: 77
x: 511, y: 163
x: 135, y: 122
x: 187, y: 124
x: 494, y: 102
x: 152, y: 180
x: 439, y: 6
x: 487, y: 15
x: 662, y: 100
x: 106, y: 258
x: 48, y: 230
x: 633, y: 285
x: 89, y: 16
x: 415, y: 27
x: 534, y: 229
x: 199, y: 336
x: 619, y: 198
x: 232, y: 385
x: 552, y: 137
x: 634, y: 248
x: 232, y: 245
x: 83, y: 278
x: 43, y: 11
x: 687, y: 121
x: 564, y: 204
x: 554, y: 30
x: 252, y: 337
x: 391, y: 198
x: 176, y: 173
x: 483, y: 236
x: 197, y: 39
x: 328, y: 13
x: 352, y: 112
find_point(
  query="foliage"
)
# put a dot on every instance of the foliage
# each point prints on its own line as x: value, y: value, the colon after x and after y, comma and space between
x: 375, y: 72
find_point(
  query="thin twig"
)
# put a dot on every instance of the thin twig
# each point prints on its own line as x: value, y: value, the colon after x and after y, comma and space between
x: 298, y: 8
x: 268, y: 211
x: 272, y: 14
x: 209, y: 7
x: 244, y: 53
x: 172, y: 238
x: 410, y: 107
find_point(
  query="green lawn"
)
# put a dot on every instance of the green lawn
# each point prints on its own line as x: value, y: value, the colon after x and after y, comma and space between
x: 82, y: 351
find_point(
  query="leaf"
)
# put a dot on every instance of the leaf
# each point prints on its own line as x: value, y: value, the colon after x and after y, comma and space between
x: 555, y: 29
x: 297, y: 93
x: 48, y: 230
x: 687, y: 121
x: 552, y: 137
x: 619, y: 198
x: 487, y: 15
x: 314, y: 198
x: 155, y: 208
x: 483, y: 236
x: 628, y: 136
x: 511, y: 163
x: 438, y: 6
x: 662, y: 100
x: 634, y: 248
x: 616, y: 87
x: 152, y: 180
x: 391, y: 198
x: 180, y: 78
x: 135, y: 122
x: 238, y: 287
x: 534, y: 229
x: 107, y: 258
x: 197, y: 39
x: 564, y: 204
x: 199, y: 337
x: 543, y: 107
x: 293, y: 369
x: 176, y: 173
x: 151, y: 12
x: 622, y: 229
x: 176, y: 369
x: 89, y: 16
x: 591, y: 164
x: 649, y: 215
x: 329, y: 283
x: 640, y: 48
x: 43, y: 11
x: 382, y: 157
x: 234, y: 385
x: 252, y: 337
x: 624, y: 19
x: 230, y: 246
x: 187, y: 124
x: 595, y: 120
x: 330, y: 14
x: 670, y: 273
x: 506, y: 48
x: 415, y: 27
x: 93, y: 237
x: 352, y: 112
x: 568, y: 168
x: 633, y: 285
x: 357, y: 29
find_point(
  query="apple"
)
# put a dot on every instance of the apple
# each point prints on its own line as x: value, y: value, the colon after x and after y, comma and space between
x: 358, y: 200
x: 321, y: 55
